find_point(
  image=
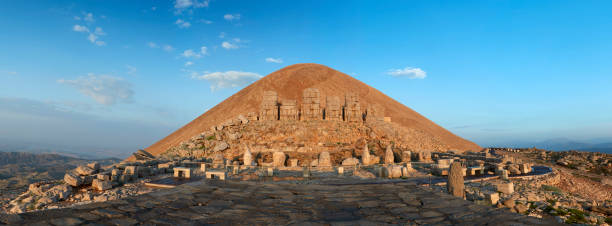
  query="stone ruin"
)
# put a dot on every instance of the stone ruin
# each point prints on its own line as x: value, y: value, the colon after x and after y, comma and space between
x: 287, y: 110
x: 269, y: 106
x: 333, y: 109
x: 352, y: 108
x: 311, y: 104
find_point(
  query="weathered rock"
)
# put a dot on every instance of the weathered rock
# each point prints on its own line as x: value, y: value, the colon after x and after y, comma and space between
x: 521, y: 208
x: 218, y: 160
x: 73, y: 180
x: 243, y: 119
x: 506, y: 188
x: 221, y: 146
x: 324, y: 160
x: 278, y: 159
x: 143, y: 155
x: 389, y: 158
x: 84, y: 170
x: 363, y: 174
x: 101, y: 185
x: 509, y: 203
x: 94, y: 165
x: 492, y: 198
x: 455, y: 184
x: 393, y: 171
x: 350, y: 162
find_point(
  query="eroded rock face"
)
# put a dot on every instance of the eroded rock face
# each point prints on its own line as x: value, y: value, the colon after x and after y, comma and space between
x: 455, y: 184
x: 279, y: 159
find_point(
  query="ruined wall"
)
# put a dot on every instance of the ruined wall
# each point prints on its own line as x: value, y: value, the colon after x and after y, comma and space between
x: 311, y: 105
x: 269, y: 106
x: 288, y: 110
x: 352, y: 108
x: 333, y: 109
x: 375, y: 112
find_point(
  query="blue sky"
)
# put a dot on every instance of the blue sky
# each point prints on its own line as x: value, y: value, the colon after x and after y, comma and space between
x: 122, y: 74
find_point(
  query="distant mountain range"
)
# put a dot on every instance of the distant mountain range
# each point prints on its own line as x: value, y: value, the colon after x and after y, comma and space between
x: 603, y: 145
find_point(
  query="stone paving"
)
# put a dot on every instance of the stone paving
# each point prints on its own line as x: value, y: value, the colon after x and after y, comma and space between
x: 256, y: 203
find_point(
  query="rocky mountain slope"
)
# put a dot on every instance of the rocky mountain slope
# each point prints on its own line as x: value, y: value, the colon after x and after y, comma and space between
x: 289, y: 83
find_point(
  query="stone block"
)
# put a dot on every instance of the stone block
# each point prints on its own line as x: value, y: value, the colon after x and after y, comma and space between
x: 375, y: 112
x: 340, y: 170
x: 94, y: 165
x: 352, y: 108
x: 289, y: 110
x: 131, y: 170
x: 101, y: 185
x: 216, y: 175
x: 182, y: 172
x: 84, y: 170
x: 102, y: 177
x: 506, y: 188
x: 455, y: 184
x: 350, y: 162
x: 269, y: 106
x: 73, y: 180
x: 270, y: 172
x: 492, y: 198
x: 333, y: 109
x: 389, y: 158
x: 311, y: 105
x: 293, y: 162
x: 324, y: 160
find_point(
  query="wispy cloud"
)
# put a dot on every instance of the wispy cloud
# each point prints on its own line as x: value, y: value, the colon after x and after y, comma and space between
x: 131, y: 69
x: 410, y: 72
x: 233, y: 44
x: 168, y: 48
x: 152, y: 45
x: 92, y: 35
x: 190, y: 53
x: 9, y: 72
x: 182, y: 5
x: 188, y: 63
x: 222, y: 35
x: 274, y: 60
x: 231, y: 17
x: 227, y: 79
x: 104, y: 89
x: 182, y: 24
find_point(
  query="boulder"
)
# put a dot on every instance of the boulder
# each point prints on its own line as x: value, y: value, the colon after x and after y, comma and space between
x: 94, y: 165
x: 84, y: 170
x: 350, y: 162
x: 221, y: 146
x: 143, y: 155
x: 509, y: 203
x: 101, y: 185
x: 389, y: 158
x: 455, y: 184
x: 492, y: 198
x: 324, y: 160
x: 363, y: 174
x: 73, y: 180
x: 278, y: 159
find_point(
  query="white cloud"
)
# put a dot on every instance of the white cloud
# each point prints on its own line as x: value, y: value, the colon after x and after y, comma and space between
x: 181, y: 5
x: 88, y: 17
x: 77, y: 18
x: 182, y: 23
x: 206, y: 21
x: 131, y: 69
x: 168, y: 48
x: 188, y: 63
x: 79, y: 28
x: 190, y: 53
x: 222, y: 35
x: 410, y: 72
x: 228, y: 45
x: 104, y: 89
x: 152, y: 45
x: 274, y: 60
x: 99, y: 31
x: 231, y: 17
x: 220, y: 80
x: 203, y: 50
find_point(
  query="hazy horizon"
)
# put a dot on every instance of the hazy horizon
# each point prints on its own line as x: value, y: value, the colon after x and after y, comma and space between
x: 115, y: 76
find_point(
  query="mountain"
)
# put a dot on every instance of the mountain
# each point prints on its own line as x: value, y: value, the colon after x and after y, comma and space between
x: 289, y: 83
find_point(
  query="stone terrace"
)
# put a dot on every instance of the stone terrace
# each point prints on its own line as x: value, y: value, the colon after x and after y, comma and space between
x: 242, y: 203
